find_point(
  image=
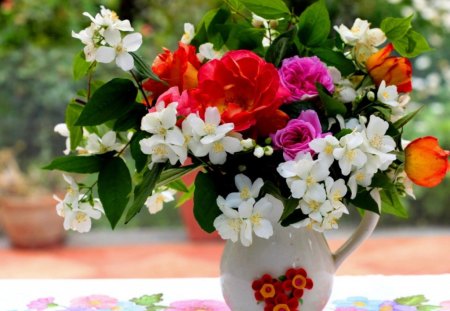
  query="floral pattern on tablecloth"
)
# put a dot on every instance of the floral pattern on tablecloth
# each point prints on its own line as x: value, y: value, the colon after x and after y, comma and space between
x: 154, y: 303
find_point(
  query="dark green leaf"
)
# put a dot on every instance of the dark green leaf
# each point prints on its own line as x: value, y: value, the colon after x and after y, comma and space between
x: 80, y: 66
x: 336, y: 59
x: 143, y: 69
x: 314, y: 25
x: 132, y: 119
x: 342, y: 133
x: 282, y: 47
x: 144, y: 189
x: 140, y: 159
x: 395, y: 28
x: 205, y: 205
x: 404, y: 120
x: 291, y: 214
x: 332, y: 106
x: 269, y: 9
x: 242, y: 36
x: 109, y: 102
x: 73, y: 111
x: 391, y: 203
x: 114, y: 188
x: 412, y: 44
x: 364, y: 200
x: 76, y: 164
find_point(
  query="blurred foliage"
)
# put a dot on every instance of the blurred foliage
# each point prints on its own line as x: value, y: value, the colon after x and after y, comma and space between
x: 36, y: 51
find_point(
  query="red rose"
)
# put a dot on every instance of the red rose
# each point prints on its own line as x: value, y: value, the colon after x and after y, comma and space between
x: 246, y: 90
x: 176, y: 69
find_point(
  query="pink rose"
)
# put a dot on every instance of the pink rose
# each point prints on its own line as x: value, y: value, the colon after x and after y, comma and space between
x: 297, y: 134
x: 300, y: 75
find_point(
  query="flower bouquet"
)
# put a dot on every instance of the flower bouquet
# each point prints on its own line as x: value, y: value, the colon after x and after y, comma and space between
x: 289, y: 123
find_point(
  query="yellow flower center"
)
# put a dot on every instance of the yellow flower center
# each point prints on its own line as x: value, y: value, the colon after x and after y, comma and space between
x: 281, y: 307
x: 350, y: 155
x: 299, y: 282
x: 328, y: 149
x: 376, y: 141
x: 234, y: 224
x: 209, y: 129
x: 81, y: 217
x: 267, y: 291
x: 245, y: 193
x: 255, y: 219
x: 314, y: 205
x: 160, y: 150
x: 119, y: 48
x: 310, y: 180
x: 218, y: 147
x: 337, y: 196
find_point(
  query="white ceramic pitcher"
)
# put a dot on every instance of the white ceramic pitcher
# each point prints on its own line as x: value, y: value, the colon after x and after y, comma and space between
x: 287, y: 248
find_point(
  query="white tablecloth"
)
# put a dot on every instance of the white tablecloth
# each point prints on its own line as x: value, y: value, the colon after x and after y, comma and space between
x: 15, y: 294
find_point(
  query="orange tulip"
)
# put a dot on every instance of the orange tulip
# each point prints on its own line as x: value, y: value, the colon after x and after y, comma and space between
x: 394, y: 70
x: 426, y: 163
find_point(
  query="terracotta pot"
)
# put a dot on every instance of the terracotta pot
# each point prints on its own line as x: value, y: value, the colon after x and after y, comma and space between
x: 31, y: 222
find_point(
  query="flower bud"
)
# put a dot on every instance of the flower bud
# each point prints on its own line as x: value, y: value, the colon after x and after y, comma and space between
x: 268, y: 151
x: 248, y: 143
x: 371, y: 96
x: 273, y: 23
x: 258, y: 152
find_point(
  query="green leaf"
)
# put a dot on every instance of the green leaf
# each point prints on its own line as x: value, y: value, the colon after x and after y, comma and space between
x: 140, y: 159
x: 336, y: 59
x: 76, y: 164
x: 73, y: 111
x: 109, y: 102
x: 205, y: 205
x: 178, y: 185
x: 269, y: 9
x: 281, y: 47
x: 148, y: 300
x: 287, y: 218
x: 171, y: 174
x: 80, y: 66
x: 132, y: 119
x: 412, y: 44
x: 332, y: 106
x: 364, y: 200
x: 144, y: 189
x: 391, y: 203
x: 395, y: 28
x: 144, y: 70
x: 242, y: 36
x: 114, y: 188
x: 411, y: 300
x: 186, y: 196
x: 314, y: 25
x: 404, y: 120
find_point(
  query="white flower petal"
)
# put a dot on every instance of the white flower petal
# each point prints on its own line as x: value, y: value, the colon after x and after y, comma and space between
x: 105, y: 54
x: 112, y: 37
x: 132, y: 42
x: 125, y: 61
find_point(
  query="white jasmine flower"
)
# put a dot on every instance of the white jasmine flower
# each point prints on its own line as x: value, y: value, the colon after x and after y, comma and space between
x: 336, y: 190
x: 377, y: 142
x: 315, y: 204
x: 354, y: 34
x: 330, y: 221
x: 388, y: 94
x: 210, y: 129
x: 109, y: 19
x: 71, y: 197
x: 375, y: 37
x: 162, y: 150
x: 220, y: 148
x: 247, y: 190
x: 156, y: 201
x: 119, y: 48
x: 361, y: 52
x: 79, y: 219
x: 61, y: 129
x: 375, y: 194
x: 254, y: 217
x: 303, y: 174
x: 162, y: 121
x: 86, y: 36
x: 96, y: 145
x: 206, y: 51
x: 189, y: 33
x: 228, y: 224
x: 348, y: 154
x: 361, y: 177
x: 324, y: 147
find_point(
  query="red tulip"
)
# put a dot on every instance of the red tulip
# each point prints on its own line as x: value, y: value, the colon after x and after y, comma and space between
x: 394, y: 70
x: 426, y: 163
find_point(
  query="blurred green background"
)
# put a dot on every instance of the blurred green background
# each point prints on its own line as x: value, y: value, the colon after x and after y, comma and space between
x: 36, y: 52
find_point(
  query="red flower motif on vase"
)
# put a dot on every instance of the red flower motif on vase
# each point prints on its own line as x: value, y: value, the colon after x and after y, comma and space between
x: 283, y: 293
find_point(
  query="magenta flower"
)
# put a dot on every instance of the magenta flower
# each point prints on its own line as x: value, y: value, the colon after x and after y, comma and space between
x: 297, y: 134
x: 300, y: 75
x: 194, y: 305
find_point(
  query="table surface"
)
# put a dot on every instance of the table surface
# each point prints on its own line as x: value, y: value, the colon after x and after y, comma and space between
x: 348, y: 291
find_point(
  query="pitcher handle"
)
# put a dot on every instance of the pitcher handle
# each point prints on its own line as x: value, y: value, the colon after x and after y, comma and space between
x: 362, y: 232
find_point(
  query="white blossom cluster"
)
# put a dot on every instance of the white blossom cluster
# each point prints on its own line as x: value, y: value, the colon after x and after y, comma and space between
x: 76, y: 209
x: 244, y: 215
x: 359, y: 154
x: 104, y: 42
x: 169, y: 142
x: 363, y: 39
